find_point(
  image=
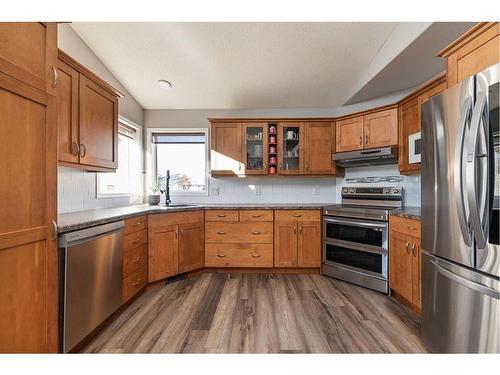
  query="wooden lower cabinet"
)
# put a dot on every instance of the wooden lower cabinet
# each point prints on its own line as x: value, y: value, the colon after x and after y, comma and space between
x: 134, y: 283
x: 191, y: 247
x: 135, y: 257
x: 285, y: 244
x: 297, y: 239
x: 405, y: 263
x: 163, y: 252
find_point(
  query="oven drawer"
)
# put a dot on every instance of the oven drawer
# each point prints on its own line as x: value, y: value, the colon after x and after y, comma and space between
x: 361, y: 233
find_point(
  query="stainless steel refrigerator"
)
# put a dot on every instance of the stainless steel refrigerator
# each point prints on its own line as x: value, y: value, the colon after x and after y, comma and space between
x: 460, y: 213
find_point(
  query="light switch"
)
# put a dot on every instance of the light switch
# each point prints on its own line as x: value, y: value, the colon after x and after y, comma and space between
x: 258, y: 190
x: 214, y: 190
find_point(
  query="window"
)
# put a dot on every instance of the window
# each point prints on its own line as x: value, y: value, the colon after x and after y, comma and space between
x: 184, y: 154
x: 123, y: 181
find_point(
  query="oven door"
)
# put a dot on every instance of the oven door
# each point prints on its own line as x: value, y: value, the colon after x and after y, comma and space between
x: 363, y: 234
x: 359, y: 259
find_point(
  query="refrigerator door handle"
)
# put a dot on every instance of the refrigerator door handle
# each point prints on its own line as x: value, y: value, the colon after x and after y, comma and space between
x: 478, y: 219
x: 481, y: 288
x: 459, y: 172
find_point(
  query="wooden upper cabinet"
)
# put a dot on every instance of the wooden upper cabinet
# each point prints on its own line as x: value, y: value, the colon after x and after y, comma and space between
x: 191, y: 247
x: 225, y: 145
x: 163, y: 252
x: 349, y: 134
x: 380, y: 129
x: 98, y: 125
x: 255, y: 148
x: 28, y: 52
x: 309, y: 244
x: 67, y: 113
x: 409, y: 123
x: 473, y: 52
x: 28, y: 183
x: 319, y: 146
x: 291, y: 136
x: 87, y: 119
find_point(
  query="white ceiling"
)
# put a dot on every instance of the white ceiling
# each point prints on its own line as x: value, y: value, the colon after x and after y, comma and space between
x: 237, y: 65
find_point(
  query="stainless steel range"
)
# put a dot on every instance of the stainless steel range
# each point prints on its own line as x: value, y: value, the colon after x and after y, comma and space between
x: 355, y: 235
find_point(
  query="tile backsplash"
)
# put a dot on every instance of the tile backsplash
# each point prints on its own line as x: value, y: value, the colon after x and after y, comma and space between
x: 77, y: 191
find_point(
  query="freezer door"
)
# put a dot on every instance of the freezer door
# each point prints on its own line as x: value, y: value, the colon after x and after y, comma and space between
x: 446, y: 228
x: 484, y: 165
x: 460, y: 309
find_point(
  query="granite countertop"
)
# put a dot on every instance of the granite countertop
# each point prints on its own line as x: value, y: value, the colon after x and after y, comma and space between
x: 71, y: 221
x: 409, y: 212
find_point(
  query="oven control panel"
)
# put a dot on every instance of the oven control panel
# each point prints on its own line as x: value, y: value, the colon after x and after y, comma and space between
x: 393, y: 191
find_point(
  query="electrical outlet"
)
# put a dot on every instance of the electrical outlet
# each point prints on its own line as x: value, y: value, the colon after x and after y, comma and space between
x: 214, y: 190
x: 316, y: 191
x: 258, y: 190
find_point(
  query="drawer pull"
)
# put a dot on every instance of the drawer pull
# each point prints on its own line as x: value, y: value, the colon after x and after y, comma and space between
x: 137, y: 224
x: 413, y: 249
x: 221, y: 232
x: 221, y: 255
x: 256, y: 233
x: 137, y: 240
x: 136, y: 282
x: 256, y: 215
x: 256, y: 255
x: 221, y: 215
x: 136, y: 260
x: 297, y: 215
x: 411, y: 228
x: 407, y: 244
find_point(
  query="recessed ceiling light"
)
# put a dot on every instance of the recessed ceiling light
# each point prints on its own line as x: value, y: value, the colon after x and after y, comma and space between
x: 163, y: 84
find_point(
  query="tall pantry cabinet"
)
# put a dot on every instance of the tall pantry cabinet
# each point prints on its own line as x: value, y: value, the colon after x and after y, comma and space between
x: 28, y: 173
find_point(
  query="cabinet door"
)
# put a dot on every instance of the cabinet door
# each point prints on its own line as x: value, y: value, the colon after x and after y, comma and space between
x: 409, y: 116
x: 417, y: 271
x: 255, y: 148
x: 28, y: 52
x: 163, y: 252
x: 381, y: 129
x: 349, y: 134
x: 285, y: 244
x: 225, y: 144
x: 400, y: 265
x: 98, y: 122
x: 28, y: 251
x: 191, y: 247
x: 67, y: 113
x: 319, y: 148
x: 309, y: 244
x: 290, y: 148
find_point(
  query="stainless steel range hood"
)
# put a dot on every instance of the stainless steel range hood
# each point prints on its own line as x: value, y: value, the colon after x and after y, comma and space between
x: 376, y: 156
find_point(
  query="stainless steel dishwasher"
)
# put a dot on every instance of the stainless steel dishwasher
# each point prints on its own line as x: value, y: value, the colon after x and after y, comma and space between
x: 91, y: 279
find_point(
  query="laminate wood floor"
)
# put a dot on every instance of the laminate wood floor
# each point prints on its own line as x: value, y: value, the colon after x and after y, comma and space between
x: 261, y: 313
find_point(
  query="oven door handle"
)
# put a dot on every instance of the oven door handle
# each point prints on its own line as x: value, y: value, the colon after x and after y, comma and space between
x: 356, y: 223
x: 354, y: 246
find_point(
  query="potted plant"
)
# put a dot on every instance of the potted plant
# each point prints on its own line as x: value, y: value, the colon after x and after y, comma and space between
x: 154, y: 197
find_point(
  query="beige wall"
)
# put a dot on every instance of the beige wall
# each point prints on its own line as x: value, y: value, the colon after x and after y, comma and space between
x: 73, y: 45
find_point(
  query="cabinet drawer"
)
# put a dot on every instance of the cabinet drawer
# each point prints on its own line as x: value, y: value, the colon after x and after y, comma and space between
x: 135, y: 224
x: 239, y: 255
x: 239, y: 232
x: 221, y: 215
x: 135, y: 259
x: 134, y: 240
x: 256, y: 215
x: 297, y: 215
x: 174, y: 218
x: 134, y: 283
x: 406, y: 226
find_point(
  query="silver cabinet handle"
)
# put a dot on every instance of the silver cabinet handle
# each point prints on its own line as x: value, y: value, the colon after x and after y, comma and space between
x: 300, y: 229
x: 221, y: 255
x: 83, y: 150
x: 360, y: 140
x: 256, y: 216
x: 54, y: 230
x: 366, y: 139
x: 256, y: 233
x: 75, y: 149
x: 55, y: 76
x: 413, y: 249
x: 297, y: 215
x: 295, y: 229
x: 407, y: 244
x: 221, y: 215
x: 256, y: 255
x: 221, y: 232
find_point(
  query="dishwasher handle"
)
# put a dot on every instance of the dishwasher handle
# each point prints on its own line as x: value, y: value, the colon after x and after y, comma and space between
x: 71, y: 238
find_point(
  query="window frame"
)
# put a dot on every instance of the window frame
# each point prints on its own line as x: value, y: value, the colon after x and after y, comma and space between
x: 130, y: 124
x: 152, y: 159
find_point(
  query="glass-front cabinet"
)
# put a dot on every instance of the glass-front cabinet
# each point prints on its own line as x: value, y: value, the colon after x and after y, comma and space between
x: 255, y: 148
x: 290, y: 148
